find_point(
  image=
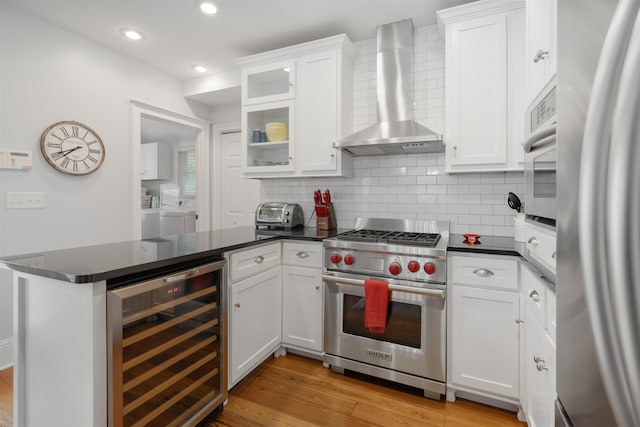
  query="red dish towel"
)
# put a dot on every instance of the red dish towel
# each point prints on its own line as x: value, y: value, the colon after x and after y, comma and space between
x: 376, y: 297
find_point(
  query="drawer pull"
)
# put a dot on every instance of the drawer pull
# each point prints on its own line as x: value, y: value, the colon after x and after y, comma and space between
x: 259, y: 260
x: 302, y: 254
x: 483, y: 272
x: 538, y: 359
x: 533, y: 241
x: 541, y: 367
x: 534, y: 295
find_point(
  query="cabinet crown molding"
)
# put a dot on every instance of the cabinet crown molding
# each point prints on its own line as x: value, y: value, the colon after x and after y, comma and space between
x: 340, y: 41
x: 474, y: 10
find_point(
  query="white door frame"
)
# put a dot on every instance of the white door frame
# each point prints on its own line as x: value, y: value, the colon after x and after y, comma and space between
x: 216, y: 197
x: 202, y: 166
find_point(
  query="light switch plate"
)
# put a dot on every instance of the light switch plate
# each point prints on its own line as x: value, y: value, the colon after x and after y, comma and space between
x: 25, y: 200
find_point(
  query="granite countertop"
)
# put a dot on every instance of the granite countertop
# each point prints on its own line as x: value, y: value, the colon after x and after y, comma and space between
x: 496, y: 245
x: 142, y: 258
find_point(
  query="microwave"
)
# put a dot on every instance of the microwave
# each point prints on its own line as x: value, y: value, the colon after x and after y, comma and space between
x: 541, y: 157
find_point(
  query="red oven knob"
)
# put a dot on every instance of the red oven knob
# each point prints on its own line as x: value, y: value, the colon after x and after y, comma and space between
x: 336, y: 258
x: 429, y: 268
x: 395, y: 268
x: 349, y: 259
x: 413, y: 266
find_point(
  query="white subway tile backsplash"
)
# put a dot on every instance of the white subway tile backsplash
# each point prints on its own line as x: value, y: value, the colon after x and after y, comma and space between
x: 408, y: 186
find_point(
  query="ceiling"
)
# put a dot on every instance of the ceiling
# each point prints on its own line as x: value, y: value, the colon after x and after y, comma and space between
x: 179, y: 35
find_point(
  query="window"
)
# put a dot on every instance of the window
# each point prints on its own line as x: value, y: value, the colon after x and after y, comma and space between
x: 187, y: 172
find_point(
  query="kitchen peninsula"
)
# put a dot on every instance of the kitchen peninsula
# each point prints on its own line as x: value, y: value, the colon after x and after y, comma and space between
x: 61, y: 326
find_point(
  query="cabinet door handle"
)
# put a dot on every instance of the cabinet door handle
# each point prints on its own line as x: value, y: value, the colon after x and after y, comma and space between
x: 541, y: 367
x: 483, y: 272
x: 540, y: 54
x: 534, y: 295
x: 290, y: 84
x: 553, y: 255
x: 533, y: 241
x: 259, y: 260
x: 236, y: 305
x: 518, y: 321
x: 302, y: 254
x: 538, y: 359
x: 317, y: 287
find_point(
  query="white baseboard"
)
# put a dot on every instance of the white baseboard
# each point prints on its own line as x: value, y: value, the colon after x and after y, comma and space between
x: 6, y: 353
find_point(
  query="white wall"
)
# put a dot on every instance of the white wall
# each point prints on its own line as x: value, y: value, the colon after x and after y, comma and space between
x: 48, y: 74
x: 408, y: 186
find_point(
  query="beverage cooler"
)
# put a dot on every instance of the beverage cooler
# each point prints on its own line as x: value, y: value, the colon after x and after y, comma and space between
x: 167, y: 348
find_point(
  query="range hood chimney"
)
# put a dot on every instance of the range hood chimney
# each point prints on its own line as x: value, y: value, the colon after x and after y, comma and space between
x: 396, y: 131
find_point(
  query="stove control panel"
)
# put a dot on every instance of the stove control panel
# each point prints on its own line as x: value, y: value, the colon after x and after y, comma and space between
x: 405, y: 267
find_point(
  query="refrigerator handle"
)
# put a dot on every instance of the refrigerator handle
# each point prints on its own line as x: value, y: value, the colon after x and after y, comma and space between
x: 623, y: 211
x: 592, y: 212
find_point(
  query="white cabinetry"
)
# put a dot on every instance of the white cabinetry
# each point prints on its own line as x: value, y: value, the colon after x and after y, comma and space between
x: 255, y: 305
x: 538, y: 363
x: 302, y: 296
x: 309, y: 88
x: 484, y: 336
x: 541, y: 38
x: 484, y: 85
x: 155, y: 161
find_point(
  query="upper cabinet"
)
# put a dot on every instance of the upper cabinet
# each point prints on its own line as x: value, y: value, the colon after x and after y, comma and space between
x: 296, y: 102
x: 268, y: 83
x: 155, y: 161
x: 542, y: 44
x: 484, y: 85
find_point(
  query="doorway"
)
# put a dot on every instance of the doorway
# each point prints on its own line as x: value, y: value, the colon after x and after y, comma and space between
x: 186, y: 139
x: 236, y: 198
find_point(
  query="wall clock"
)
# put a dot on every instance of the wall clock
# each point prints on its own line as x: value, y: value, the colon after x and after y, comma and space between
x: 72, y: 148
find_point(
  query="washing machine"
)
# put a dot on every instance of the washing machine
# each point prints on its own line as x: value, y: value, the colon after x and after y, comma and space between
x: 177, y: 222
x: 150, y: 223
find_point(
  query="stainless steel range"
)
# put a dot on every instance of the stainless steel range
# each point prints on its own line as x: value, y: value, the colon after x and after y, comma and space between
x: 410, y: 255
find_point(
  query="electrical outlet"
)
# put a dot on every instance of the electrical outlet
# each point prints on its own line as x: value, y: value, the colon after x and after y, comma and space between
x: 25, y: 200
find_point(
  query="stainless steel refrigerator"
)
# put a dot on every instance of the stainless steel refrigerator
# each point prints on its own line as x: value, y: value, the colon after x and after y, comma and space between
x: 598, y: 264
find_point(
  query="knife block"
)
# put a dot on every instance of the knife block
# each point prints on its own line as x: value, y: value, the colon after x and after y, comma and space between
x: 327, y: 222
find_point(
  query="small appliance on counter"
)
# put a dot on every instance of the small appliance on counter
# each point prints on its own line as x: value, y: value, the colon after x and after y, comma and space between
x: 279, y: 215
x: 325, y: 214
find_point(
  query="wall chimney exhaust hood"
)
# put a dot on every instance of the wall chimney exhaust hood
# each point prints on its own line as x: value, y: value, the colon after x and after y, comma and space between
x: 396, y: 131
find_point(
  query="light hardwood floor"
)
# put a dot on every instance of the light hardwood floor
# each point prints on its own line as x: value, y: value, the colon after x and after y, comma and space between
x: 297, y: 391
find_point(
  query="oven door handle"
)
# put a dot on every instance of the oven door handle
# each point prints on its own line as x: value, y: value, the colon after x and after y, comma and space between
x: 436, y: 293
x: 540, y: 138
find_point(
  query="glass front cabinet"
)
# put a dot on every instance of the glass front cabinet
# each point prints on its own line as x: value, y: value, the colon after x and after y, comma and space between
x: 268, y: 83
x: 266, y: 152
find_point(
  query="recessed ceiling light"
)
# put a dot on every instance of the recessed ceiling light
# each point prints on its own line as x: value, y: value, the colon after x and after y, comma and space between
x: 208, y: 8
x: 199, y: 68
x: 132, y: 34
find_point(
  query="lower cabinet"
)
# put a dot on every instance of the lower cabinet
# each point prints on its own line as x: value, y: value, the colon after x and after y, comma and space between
x: 484, y: 339
x: 255, y: 321
x: 302, y: 308
x: 539, y: 375
x: 538, y: 363
x: 275, y: 302
x: 302, y: 296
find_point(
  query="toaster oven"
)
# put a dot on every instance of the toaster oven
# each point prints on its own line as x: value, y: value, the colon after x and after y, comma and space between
x: 279, y: 215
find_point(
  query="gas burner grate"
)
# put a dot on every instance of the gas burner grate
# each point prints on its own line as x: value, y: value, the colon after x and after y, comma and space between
x: 395, y: 237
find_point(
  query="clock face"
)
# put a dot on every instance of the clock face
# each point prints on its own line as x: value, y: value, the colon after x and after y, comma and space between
x: 72, y: 148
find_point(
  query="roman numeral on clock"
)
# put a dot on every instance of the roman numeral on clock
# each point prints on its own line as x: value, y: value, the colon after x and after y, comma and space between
x: 64, y: 131
x: 65, y: 162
